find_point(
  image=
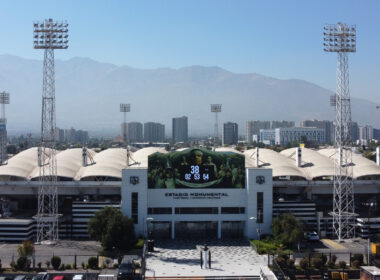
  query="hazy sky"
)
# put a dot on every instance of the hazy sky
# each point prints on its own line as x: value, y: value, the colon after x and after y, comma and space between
x: 281, y: 38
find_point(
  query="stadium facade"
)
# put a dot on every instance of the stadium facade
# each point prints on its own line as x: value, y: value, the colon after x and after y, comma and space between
x: 299, y: 181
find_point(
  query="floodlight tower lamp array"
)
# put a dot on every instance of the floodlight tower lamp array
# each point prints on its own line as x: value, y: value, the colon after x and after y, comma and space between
x: 216, y: 108
x: 4, y: 99
x: 125, y: 108
x: 48, y: 35
x: 341, y: 38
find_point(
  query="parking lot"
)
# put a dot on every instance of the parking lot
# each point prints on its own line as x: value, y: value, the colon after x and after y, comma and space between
x: 81, y: 275
x: 68, y: 250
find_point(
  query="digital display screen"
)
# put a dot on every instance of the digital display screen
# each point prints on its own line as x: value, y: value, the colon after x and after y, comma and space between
x: 196, y: 168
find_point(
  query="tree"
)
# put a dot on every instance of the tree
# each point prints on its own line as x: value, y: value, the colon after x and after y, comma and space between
x: 287, y: 229
x: 55, y: 262
x: 26, y: 249
x: 112, y: 229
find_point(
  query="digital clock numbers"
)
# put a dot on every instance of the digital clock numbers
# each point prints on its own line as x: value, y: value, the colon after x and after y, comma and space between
x: 197, y: 173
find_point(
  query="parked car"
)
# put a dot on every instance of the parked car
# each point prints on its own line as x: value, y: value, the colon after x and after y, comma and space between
x: 59, y: 277
x: 41, y: 276
x: 20, y: 277
x: 6, y: 278
x: 127, y: 267
x: 78, y: 277
x: 312, y: 236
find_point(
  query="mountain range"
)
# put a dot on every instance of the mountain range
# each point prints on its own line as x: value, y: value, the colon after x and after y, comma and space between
x: 88, y: 94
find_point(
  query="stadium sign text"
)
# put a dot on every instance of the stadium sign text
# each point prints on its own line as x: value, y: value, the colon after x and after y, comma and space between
x: 196, y: 195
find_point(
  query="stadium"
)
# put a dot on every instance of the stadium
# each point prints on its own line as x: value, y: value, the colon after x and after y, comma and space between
x: 295, y: 180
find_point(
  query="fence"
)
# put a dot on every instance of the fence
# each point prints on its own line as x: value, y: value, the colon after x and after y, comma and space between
x: 78, y: 261
x: 310, y: 273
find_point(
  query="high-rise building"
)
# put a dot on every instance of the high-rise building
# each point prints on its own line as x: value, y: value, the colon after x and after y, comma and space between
x: 59, y: 135
x: 268, y: 136
x: 354, y: 131
x: 365, y: 134
x: 230, y: 133
x: 376, y: 134
x: 76, y: 136
x: 135, y: 132
x: 154, y: 132
x: 328, y: 126
x: 253, y: 128
x: 280, y: 124
x: 285, y: 136
x: 180, y: 129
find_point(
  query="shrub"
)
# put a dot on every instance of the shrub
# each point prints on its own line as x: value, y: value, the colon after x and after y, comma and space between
x: 83, y: 265
x: 333, y: 259
x: 281, y: 262
x: 282, y: 254
x: 137, y: 264
x: 39, y: 265
x: 13, y: 266
x: 74, y: 265
x: 115, y: 265
x: 93, y: 262
x: 139, y: 243
x: 62, y: 267
x: 317, y: 262
x: 304, y: 263
x: 358, y: 257
x: 290, y: 264
x: 21, y: 263
x: 342, y: 264
x: 324, y: 259
x: 356, y: 264
x: 55, y: 262
x: 67, y: 266
x: 47, y: 264
x: 330, y: 264
x: 87, y: 266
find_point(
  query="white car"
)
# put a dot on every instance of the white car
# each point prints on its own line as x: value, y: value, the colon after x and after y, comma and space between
x: 312, y: 236
x: 78, y: 277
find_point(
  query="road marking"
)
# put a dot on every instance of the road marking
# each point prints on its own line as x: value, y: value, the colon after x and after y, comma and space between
x: 335, y: 245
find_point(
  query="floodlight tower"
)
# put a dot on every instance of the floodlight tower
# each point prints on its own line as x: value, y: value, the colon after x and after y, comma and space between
x: 125, y: 108
x: 48, y: 35
x: 4, y: 99
x: 216, y: 108
x: 341, y: 38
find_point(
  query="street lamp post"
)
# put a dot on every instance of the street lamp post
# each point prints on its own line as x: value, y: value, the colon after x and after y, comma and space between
x: 371, y: 204
x: 258, y: 230
x: 150, y: 241
x: 149, y: 220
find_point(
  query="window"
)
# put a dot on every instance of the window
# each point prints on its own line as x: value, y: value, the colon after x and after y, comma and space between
x: 260, y: 207
x: 197, y: 210
x: 233, y: 210
x: 135, y: 207
x: 160, y: 210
